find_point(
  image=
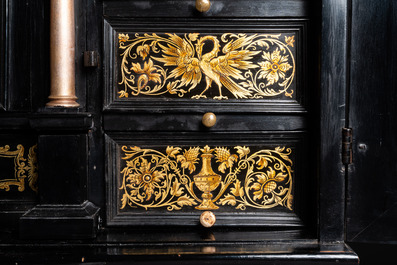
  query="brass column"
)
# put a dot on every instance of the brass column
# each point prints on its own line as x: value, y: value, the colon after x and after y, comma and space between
x: 62, y: 54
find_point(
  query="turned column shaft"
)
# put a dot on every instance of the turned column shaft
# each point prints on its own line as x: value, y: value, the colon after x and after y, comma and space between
x: 62, y: 54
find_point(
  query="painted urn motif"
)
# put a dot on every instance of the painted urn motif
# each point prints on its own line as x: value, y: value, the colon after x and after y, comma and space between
x: 207, y: 180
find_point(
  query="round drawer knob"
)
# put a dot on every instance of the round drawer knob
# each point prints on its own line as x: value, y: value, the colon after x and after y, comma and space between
x: 207, y: 219
x: 209, y: 119
x: 203, y: 5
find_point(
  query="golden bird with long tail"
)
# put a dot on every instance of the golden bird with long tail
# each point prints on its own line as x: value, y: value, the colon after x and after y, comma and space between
x: 219, y: 69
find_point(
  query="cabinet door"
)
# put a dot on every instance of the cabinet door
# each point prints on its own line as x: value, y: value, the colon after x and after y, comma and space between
x: 167, y: 67
x: 372, y: 210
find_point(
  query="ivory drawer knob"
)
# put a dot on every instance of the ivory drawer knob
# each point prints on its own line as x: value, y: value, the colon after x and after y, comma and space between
x: 209, y: 119
x: 203, y: 5
x: 207, y: 219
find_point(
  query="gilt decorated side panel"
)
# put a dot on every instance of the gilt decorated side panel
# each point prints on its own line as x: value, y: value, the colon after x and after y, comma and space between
x: 19, y: 185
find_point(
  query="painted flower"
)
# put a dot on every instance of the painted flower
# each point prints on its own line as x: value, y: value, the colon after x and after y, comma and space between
x: 225, y: 158
x: 193, y: 36
x: 143, y: 51
x: 123, y: 37
x: 148, y: 73
x: 189, y: 158
x: 290, y: 40
x: 148, y: 70
x: 266, y: 183
x: 242, y: 151
x: 123, y: 94
x: 274, y: 67
x: 147, y: 177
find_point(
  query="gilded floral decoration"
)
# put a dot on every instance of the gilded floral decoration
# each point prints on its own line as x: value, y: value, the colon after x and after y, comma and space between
x: 206, y: 178
x: 246, y: 66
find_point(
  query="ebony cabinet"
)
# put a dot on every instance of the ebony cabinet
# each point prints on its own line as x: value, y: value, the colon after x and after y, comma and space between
x: 224, y: 136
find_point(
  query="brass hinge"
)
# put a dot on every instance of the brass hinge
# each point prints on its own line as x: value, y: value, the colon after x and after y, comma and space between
x: 347, y: 146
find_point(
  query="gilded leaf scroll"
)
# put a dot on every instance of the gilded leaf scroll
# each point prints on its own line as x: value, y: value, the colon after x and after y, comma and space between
x: 247, y: 66
x: 185, y: 178
x: 23, y: 168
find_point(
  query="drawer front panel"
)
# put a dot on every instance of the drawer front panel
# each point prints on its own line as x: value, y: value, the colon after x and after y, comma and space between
x: 173, y: 181
x: 193, y: 122
x: 219, y: 8
x: 152, y: 67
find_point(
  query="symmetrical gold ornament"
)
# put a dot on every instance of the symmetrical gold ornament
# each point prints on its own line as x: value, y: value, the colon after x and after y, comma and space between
x: 251, y: 65
x: 152, y: 179
x: 23, y: 168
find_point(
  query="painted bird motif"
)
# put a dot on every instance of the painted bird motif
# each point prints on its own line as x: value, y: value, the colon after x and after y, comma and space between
x: 221, y: 70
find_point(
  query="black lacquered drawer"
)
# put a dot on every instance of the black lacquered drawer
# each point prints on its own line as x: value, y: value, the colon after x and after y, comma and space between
x: 189, y: 65
x: 219, y: 8
x: 194, y: 122
x: 170, y: 179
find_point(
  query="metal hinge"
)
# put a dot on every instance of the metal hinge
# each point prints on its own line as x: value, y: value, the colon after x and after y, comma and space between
x: 347, y: 149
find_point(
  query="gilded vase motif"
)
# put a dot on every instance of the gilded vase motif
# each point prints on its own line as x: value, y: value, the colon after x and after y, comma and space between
x: 240, y: 66
x: 207, y: 180
x: 152, y: 179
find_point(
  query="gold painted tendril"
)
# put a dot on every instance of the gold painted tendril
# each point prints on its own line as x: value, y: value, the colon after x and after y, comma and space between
x: 248, y: 66
x: 185, y: 178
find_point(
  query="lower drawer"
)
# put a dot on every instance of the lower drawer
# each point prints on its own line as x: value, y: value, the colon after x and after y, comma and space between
x: 168, y: 179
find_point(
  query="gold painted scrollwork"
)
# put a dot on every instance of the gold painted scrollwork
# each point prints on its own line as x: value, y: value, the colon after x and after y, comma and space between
x: 250, y: 66
x: 152, y: 179
x: 24, y: 168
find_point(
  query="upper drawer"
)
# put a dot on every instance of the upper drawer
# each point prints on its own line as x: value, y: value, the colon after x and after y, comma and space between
x: 244, y: 66
x: 219, y: 8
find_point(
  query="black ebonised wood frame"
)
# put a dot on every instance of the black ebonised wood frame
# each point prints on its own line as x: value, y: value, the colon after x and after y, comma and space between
x: 334, y: 85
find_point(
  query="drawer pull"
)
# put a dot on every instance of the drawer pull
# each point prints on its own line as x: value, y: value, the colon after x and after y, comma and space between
x: 207, y: 219
x: 203, y: 5
x: 209, y: 119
